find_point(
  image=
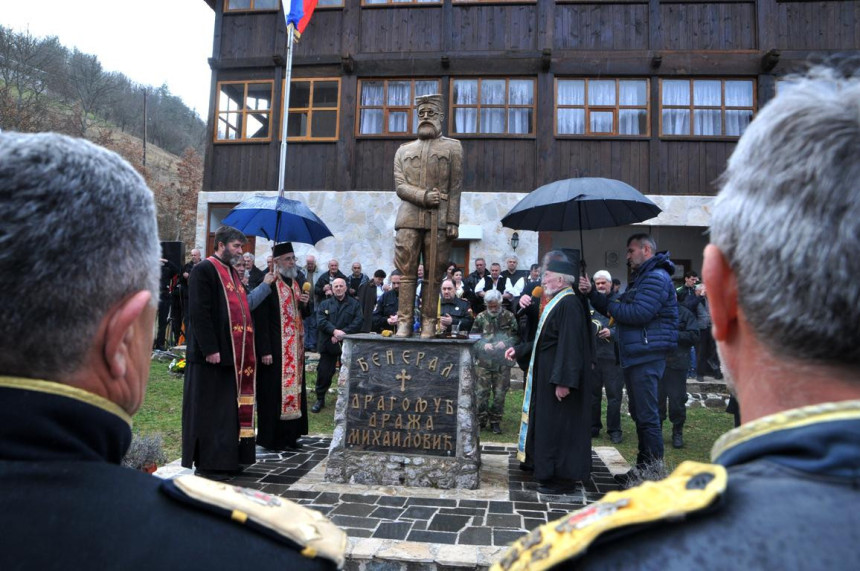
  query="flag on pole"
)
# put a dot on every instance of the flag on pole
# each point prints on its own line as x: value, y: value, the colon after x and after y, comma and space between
x: 300, y: 13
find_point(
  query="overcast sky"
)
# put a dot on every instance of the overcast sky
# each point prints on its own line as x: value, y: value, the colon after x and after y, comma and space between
x: 152, y: 42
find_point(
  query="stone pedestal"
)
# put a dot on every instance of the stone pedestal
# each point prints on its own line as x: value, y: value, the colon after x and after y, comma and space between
x: 406, y: 414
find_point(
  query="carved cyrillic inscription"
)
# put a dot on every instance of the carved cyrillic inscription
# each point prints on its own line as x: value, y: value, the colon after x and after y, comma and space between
x: 403, y: 401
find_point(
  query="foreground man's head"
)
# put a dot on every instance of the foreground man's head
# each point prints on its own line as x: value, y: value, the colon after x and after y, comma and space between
x: 786, y: 216
x: 75, y: 319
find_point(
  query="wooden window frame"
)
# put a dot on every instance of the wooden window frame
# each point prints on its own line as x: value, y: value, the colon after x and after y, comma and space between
x: 244, y: 111
x: 692, y: 107
x: 452, y: 107
x: 466, y: 2
x: 615, y: 109
x: 403, y: 4
x: 227, y: 9
x: 387, y: 108
x: 310, y: 110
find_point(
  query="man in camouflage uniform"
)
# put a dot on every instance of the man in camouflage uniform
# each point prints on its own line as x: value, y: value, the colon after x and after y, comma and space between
x: 498, y: 329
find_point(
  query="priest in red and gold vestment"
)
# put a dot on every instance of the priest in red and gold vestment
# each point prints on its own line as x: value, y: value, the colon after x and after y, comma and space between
x: 281, y: 403
x: 218, y: 397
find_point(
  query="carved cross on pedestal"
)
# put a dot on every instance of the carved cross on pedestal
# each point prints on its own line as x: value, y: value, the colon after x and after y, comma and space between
x: 403, y: 377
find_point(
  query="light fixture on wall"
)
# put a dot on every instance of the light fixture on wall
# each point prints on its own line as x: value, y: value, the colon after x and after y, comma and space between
x: 515, y: 241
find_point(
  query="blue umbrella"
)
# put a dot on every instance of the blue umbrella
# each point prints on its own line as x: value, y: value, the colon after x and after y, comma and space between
x: 580, y: 204
x: 279, y: 219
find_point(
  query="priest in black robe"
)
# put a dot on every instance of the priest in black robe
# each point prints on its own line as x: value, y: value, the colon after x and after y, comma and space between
x: 556, y: 440
x: 218, y: 396
x: 282, y: 408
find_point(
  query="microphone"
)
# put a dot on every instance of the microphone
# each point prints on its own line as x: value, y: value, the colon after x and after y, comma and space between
x: 536, y: 294
x: 306, y: 287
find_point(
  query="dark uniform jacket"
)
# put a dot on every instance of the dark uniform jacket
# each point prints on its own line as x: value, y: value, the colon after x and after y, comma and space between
x: 788, y: 502
x: 333, y: 314
x: 386, y: 307
x: 458, y: 309
x: 68, y: 504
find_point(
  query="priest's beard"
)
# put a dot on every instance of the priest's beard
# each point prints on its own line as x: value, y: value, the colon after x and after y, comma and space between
x: 428, y: 130
x: 288, y: 272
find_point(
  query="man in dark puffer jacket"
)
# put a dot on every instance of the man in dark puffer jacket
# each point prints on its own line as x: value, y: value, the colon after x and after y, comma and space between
x: 647, y: 320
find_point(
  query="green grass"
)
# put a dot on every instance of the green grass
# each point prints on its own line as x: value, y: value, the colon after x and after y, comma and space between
x: 162, y: 413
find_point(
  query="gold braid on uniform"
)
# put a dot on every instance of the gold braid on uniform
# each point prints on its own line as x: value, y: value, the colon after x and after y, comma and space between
x: 691, y: 487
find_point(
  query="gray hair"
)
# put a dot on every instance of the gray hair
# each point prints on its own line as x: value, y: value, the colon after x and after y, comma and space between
x: 570, y: 279
x: 602, y: 274
x: 248, y: 256
x: 92, y: 218
x: 493, y: 296
x: 788, y: 220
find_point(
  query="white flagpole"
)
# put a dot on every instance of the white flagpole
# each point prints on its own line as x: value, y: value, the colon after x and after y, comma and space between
x: 285, y: 107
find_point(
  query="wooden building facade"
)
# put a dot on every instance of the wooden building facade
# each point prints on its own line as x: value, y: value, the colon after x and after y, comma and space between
x: 652, y: 92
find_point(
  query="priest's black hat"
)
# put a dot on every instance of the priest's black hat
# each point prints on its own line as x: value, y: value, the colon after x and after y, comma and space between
x: 282, y: 248
x: 562, y: 267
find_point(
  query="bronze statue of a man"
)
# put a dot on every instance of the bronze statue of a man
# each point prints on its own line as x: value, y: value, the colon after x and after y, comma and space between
x: 428, y: 176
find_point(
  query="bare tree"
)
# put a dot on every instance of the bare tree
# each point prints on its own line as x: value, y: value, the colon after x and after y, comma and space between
x: 190, y: 174
x: 91, y: 87
x: 25, y: 62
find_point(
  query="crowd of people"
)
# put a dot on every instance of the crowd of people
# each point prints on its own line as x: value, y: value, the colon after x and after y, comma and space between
x: 305, y: 309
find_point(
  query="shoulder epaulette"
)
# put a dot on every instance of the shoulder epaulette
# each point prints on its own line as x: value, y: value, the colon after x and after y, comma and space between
x: 310, y: 532
x: 692, y: 487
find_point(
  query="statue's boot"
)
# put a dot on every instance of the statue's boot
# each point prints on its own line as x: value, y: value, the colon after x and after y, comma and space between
x: 405, y: 307
x: 428, y: 328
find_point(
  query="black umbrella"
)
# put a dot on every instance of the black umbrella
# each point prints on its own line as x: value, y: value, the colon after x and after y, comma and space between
x: 580, y: 203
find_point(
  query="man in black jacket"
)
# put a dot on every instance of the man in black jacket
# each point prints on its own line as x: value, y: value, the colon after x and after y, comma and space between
x: 453, y: 310
x: 385, y: 312
x: 337, y: 316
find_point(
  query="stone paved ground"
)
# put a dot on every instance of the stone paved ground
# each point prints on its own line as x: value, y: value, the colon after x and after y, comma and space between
x: 423, y: 527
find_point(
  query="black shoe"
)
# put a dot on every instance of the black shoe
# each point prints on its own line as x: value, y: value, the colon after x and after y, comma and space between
x: 595, y: 432
x: 553, y: 490
x: 718, y: 376
x: 526, y: 467
x: 700, y: 378
x: 214, y: 475
x: 483, y: 424
x: 318, y: 406
x: 295, y: 446
x: 615, y: 437
x: 494, y: 426
x: 625, y: 480
x: 677, y: 439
